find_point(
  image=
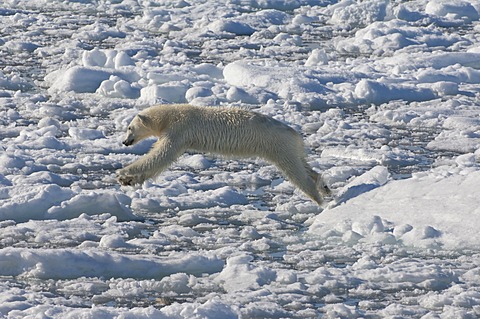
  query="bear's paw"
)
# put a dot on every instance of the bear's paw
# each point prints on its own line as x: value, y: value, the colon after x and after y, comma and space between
x: 129, y: 180
x: 323, y: 187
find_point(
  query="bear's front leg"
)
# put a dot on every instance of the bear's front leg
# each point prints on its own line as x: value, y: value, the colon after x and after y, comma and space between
x: 162, y: 154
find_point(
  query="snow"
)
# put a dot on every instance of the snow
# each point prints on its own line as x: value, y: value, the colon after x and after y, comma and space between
x: 455, y: 9
x: 385, y: 94
x: 442, y: 191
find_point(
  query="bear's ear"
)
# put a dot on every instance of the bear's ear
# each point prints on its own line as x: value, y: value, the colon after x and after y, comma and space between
x: 144, y: 120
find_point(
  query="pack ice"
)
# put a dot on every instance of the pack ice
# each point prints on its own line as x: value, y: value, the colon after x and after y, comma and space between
x: 385, y: 94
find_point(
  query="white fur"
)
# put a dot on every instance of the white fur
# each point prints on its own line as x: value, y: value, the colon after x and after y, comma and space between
x: 227, y: 131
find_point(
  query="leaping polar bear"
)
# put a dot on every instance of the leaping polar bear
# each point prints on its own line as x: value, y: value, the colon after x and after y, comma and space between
x: 226, y: 131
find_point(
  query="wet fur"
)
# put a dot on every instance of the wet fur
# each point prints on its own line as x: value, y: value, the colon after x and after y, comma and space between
x: 227, y: 131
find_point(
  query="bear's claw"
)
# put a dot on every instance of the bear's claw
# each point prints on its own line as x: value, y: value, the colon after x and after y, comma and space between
x: 125, y: 180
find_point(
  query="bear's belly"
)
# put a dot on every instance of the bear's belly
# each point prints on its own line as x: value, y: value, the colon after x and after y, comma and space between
x: 228, y: 150
x: 241, y: 147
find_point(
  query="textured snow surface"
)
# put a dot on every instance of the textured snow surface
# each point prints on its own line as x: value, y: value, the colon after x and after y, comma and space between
x: 385, y: 93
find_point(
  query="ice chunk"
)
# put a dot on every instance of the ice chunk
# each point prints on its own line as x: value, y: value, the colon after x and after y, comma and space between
x: 429, y: 210
x: 74, y: 263
x: 230, y: 26
x: 116, y: 87
x: 240, y: 95
x: 377, y: 93
x: 85, y: 133
x: 457, y: 9
x: 112, y: 241
x: 95, y: 57
x: 240, y: 274
x: 174, y: 93
x: 32, y: 202
x: 353, y: 13
x: 197, y: 91
x: 374, y: 178
x: 84, y: 79
x: 317, y: 57
x: 94, y: 202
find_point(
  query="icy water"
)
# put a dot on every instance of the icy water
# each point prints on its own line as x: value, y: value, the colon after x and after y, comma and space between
x: 239, y: 215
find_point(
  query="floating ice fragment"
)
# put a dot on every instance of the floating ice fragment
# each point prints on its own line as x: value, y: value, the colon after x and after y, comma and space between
x: 355, y: 13
x: 378, y: 93
x: 351, y: 237
x: 339, y: 310
x: 456, y: 9
x: 190, y: 220
x: 250, y: 232
x: 240, y: 274
x: 404, y: 13
x: 11, y: 162
x: 196, y: 161
x: 174, y: 93
x: 374, y: 178
x: 229, y: 26
x: 85, y: 133
x: 85, y: 79
x: 401, y: 230
x: 13, y: 82
x: 4, y: 181
x: 77, y: 79
x: 466, y: 160
x: 32, y: 203
x: 430, y: 232
x: 116, y: 87
x: 44, y: 177
x: 112, y: 241
x: 366, y: 262
x: 393, y: 35
x: 93, y: 203
x: 444, y: 88
x: 74, y: 263
x: 209, y: 69
x: 95, y: 57
x: 301, y: 19
x: 236, y: 94
x: 123, y: 59
x: 317, y: 57
x: 197, y: 91
x: 21, y: 46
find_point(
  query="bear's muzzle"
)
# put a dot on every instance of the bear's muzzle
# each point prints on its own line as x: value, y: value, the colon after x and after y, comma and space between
x: 127, y: 142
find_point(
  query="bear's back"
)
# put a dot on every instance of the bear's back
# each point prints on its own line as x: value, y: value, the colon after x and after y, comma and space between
x: 234, y: 131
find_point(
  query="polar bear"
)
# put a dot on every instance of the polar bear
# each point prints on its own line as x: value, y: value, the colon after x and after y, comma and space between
x: 221, y: 130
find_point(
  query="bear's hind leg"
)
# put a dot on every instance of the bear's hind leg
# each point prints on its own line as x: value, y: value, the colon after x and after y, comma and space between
x: 296, y: 171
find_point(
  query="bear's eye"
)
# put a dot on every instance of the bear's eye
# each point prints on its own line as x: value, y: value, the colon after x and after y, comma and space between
x: 129, y: 128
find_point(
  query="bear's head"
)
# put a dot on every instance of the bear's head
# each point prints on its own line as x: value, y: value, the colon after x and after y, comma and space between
x: 137, y: 130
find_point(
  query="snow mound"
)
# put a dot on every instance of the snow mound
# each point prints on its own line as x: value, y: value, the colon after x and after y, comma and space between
x: 426, y: 211
x: 94, y: 202
x: 456, y: 9
x: 240, y: 274
x: 55, y: 202
x: 108, y: 72
x: 74, y: 263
